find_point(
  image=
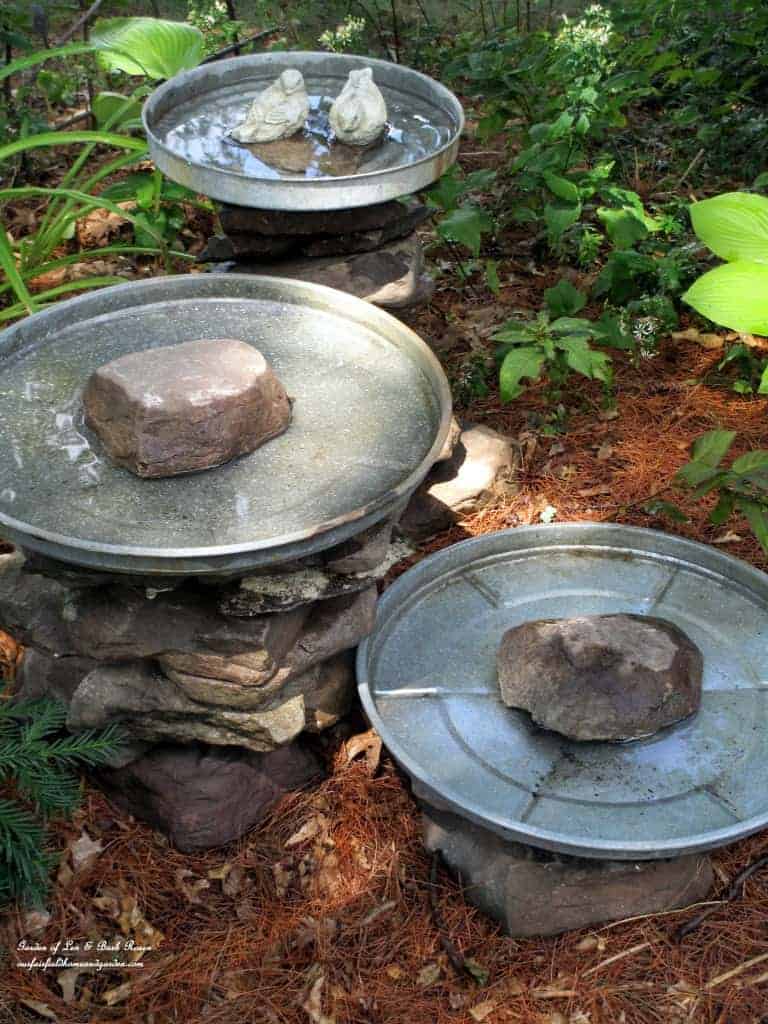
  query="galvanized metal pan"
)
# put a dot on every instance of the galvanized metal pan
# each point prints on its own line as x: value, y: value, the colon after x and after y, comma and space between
x: 428, y: 683
x: 188, y: 120
x: 371, y: 412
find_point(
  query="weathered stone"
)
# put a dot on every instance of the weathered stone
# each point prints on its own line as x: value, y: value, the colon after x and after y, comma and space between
x: 81, y: 576
x: 391, y: 278
x: 328, y: 690
x: 480, y: 468
x: 151, y: 707
x: 250, y: 220
x: 601, y: 677
x: 202, y: 797
x: 267, y: 593
x: 362, y: 553
x: 116, y: 624
x: 185, y: 408
x: 451, y: 441
x: 35, y: 610
x: 45, y: 675
x: 532, y: 892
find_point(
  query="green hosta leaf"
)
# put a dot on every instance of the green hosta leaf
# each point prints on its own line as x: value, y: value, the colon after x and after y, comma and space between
x: 757, y: 517
x: 564, y: 299
x: 147, y: 46
x: 519, y: 363
x: 561, y: 187
x: 763, y: 387
x: 711, y: 448
x: 734, y: 226
x: 466, y: 225
x: 559, y: 218
x: 734, y: 295
x: 623, y: 227
x: 115, y: 110
x: 585, y: 360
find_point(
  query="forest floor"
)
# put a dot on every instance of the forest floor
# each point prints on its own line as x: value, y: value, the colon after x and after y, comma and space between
x: 323, y: 913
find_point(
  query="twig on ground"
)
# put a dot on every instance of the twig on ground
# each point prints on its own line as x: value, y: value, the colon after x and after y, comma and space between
x: 735, y: 892
x: 691, y: 166
x: 458, y: 962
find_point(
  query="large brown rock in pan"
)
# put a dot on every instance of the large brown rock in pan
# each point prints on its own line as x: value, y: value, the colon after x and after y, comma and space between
x: 184, y: 408
x: 601, y: 677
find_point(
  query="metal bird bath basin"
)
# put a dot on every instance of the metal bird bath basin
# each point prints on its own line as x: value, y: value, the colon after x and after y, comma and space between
x: 427, y: 679
x: 371, y: 412
x: 188, y: 120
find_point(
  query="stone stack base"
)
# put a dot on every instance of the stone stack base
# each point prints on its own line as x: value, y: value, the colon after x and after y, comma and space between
x: 535, y: 893
x: 214, y: 683
x: 371, y: 252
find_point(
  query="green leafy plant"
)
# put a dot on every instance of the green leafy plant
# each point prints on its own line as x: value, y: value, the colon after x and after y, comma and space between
x: 461, y: 221
x: 144, y: 46
x: 38, y: 763
x: 557, y: 346
x: 742, y: 487
x: 735, y: 294
x: 751, y: 369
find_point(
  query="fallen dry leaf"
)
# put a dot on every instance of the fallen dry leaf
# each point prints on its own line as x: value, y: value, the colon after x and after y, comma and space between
x: 394, y: 972
x: 705, y: 339
x: 482, y: 1010
x: 117, y: 995
x: 313, y: 1006
x: 35, y: 922
x: 42, y: 1009
x: 283, y: 877
x: 233, y: 882
x: 192, y: 889
x: 311, y: 828
x: 85, y: 852
x: 592, y: 492
x: 99, y: 226
x: 727, y: 538
x: 605, y: 451
x: 367, y: 743
x: 428, y: 975
x: 67, y: 982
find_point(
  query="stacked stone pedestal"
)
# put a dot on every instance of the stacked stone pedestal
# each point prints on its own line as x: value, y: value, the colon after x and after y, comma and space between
x: 371, y: 252
x: 214, y: 683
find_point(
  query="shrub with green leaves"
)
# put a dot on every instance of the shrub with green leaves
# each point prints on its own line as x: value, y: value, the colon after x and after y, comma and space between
x: 38, y: 763
x: 735, y: 294
x: 556, y: 342
x: 741, y: 487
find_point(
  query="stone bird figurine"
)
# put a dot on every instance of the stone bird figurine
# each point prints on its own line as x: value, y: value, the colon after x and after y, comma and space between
x: 359, y: 113
x: 278, y: 111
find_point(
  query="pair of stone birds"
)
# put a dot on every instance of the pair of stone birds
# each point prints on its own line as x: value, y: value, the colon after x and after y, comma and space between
x: 358, y: 114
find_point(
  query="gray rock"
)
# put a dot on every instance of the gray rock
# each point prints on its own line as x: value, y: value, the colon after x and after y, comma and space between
x: 45, y: 675
x: 117, y: 624
x: 601, y: 677
x: 480, y: 468
x: 328, y: 690
x: 203, y: 797
x: 535, y: 893
x: 392, y: 277
x: 151, y: 707
x: 267, y: 593
x: 35, y: 610
x: 362, y: 553
x: 81, y: 576
x: 248, y: 220
x: 185, y: 408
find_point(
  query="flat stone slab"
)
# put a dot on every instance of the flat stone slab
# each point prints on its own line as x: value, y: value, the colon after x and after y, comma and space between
x: 534, y: 893
x: 601, y: 677
x: 184, y: 408
x: 249, y: 220
x: 392, y: 277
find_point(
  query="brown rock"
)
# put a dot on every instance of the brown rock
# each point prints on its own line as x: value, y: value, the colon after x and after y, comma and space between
x: 245, y: 219
x: 202, y: 797
x: 601, y: 677
x: 184, y: 408
x: 533, y: 892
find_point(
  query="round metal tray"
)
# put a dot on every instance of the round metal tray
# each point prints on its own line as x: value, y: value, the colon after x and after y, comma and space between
x: 187, y: 121
x: 371, y: 412
x: 427, y: 679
